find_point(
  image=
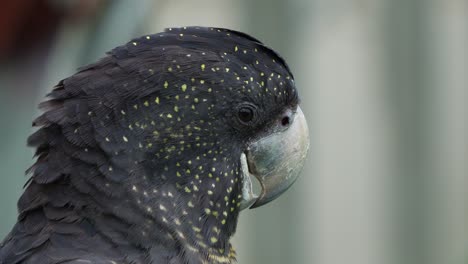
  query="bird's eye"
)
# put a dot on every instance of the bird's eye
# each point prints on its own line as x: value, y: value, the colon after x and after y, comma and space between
x: 246, y: 114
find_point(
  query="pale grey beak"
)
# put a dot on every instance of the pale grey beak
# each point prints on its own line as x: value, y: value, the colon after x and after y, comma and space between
x: 276, y: 161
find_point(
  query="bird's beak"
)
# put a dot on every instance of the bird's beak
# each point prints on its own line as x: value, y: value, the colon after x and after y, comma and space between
x: 276, y: 161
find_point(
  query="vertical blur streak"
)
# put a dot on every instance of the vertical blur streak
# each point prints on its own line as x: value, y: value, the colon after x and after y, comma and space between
x: 426, y: 79
x: 350, y: 137
x: 406, y: 81
x: 448, y: 129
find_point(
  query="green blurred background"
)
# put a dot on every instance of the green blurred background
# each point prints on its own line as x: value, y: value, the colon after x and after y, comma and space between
x: 384, y: 88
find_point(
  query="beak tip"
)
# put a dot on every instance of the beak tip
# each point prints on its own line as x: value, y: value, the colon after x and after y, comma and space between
x: 258, y: 203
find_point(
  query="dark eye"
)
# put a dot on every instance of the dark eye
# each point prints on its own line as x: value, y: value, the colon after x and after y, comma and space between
x: 246, y: 114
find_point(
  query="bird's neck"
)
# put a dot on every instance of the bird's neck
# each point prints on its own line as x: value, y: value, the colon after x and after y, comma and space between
x: 197, y: 214
x: 200, y: 219
x: 191, y: 204
x: 200, y: 236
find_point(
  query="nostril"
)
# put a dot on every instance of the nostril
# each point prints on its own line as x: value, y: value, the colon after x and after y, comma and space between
x: 285, y: 121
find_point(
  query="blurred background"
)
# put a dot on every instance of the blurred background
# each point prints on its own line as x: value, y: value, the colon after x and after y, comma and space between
x: 384, y: 88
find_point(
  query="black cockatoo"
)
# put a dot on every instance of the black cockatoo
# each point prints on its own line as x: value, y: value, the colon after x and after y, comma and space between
x: 146, y: 155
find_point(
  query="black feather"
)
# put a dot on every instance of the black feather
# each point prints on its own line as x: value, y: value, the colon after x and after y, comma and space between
x: 138, y: 153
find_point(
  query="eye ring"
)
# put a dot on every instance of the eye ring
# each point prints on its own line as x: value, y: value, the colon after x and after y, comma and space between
x: 246, y: 114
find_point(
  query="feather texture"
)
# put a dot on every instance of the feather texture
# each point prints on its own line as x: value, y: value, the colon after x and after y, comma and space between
x: 138, y: 153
